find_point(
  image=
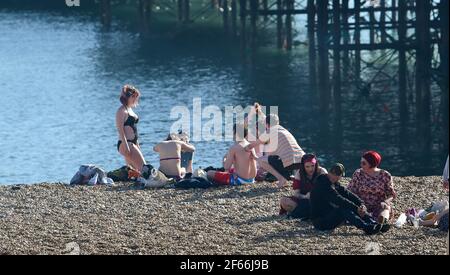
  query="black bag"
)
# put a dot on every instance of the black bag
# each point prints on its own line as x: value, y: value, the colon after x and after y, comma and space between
x: 120, y: 174
x: 194, y: 182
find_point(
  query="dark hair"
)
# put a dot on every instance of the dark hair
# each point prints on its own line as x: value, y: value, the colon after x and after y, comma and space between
x: 303, y: 174
x: 338, y: 169
x: 127, y: 92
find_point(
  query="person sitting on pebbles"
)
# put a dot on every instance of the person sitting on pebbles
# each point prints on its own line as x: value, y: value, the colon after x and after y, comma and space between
x: 332, y: 205
x: 240, y: 163
x: 283, y: 154
x: 170, y: 152
x: 298, y: 205
x: 440, y: 219
x: 374, y: 186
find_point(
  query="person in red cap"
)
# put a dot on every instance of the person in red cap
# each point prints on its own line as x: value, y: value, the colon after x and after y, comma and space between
x: 374, y: 186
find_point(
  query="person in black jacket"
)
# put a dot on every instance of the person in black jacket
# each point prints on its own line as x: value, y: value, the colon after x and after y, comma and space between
x: 332, y: 205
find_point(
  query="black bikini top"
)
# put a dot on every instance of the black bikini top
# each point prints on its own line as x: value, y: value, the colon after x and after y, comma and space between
x: 132, y: 121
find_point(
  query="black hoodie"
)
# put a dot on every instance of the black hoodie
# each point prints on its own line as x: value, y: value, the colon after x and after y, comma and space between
x: 326, y: 196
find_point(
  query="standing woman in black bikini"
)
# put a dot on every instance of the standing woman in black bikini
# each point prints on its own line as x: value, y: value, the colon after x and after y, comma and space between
x: 126, y: 120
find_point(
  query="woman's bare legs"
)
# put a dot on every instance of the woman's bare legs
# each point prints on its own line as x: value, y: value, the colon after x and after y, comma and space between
x: 135, y: 159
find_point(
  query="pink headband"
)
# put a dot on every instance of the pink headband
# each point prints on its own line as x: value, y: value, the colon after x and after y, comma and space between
x: 312, y: 160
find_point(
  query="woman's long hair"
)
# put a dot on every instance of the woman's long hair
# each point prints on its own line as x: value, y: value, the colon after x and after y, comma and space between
x: 303, y: 175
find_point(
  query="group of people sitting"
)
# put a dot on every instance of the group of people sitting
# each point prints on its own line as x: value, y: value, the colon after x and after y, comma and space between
x: 365, y: 203
x: 319, y: 196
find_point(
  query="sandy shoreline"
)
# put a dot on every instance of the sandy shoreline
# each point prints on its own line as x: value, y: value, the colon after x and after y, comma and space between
x: 45, y: 218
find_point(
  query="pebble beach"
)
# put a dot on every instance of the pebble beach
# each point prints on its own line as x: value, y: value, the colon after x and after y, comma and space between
x: 54, y: 218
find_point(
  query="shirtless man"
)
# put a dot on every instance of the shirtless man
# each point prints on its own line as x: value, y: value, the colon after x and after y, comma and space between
x: 240, y: 163
x: 170, y: 156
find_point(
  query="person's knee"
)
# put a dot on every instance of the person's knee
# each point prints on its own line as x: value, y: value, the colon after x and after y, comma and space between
x: 284, y: 203
x: 288, y: 204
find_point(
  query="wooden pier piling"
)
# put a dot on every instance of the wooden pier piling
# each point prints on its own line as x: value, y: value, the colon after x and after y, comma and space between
x: 290, y: 6
x: 253, y: 23
x: 279, y: 24
x: 243, y: 19
x: 234, y: 17
x: 187, y: 11
x: 337, y: 67
x: 105, y: 13
x: 323, y: 68
x: 225, y: 14
x: 145, y: 7
x: 402, y: 68
x: 346, y: 39
x: 357, y: 42
x: 423, y: 73
x: 444, y: 55
x: 312, y: 44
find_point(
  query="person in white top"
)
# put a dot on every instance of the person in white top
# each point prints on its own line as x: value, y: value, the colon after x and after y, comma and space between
x: 282, y: 153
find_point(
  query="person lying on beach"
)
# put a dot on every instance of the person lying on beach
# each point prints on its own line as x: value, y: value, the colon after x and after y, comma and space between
x: 126, y: 123
x: 374, y: 186
x: 170, y: 156
x: 332, y: 205
x: 240, y: 164
x: 283, y: 156
x: 298, y: 205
